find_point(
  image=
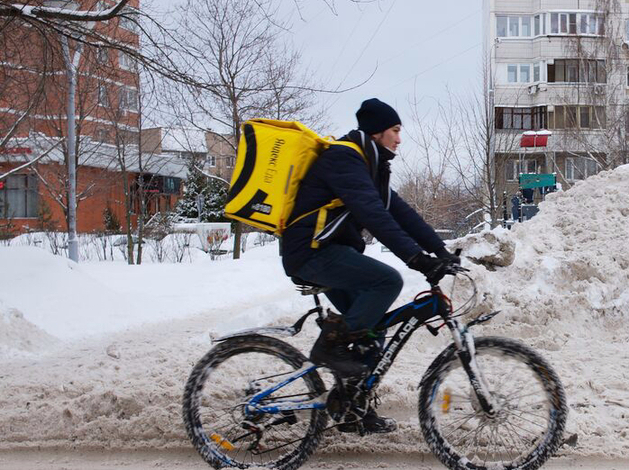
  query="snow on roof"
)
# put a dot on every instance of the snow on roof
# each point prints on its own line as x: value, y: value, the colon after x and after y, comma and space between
x: 99, y: 155
x: 181, y: 139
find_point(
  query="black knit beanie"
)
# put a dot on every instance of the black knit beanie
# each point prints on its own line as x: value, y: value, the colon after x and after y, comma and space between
x: 374, y: 116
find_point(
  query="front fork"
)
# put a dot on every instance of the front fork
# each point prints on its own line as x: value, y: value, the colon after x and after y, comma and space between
x: 466, y: 352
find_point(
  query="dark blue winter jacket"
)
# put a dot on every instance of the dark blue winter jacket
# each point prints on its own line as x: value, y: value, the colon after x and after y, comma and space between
x: 341, y: 172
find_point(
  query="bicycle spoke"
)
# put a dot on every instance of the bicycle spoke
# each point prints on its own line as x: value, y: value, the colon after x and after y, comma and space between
x: 471, y: 416
x: 522, y: 418
x: 217, y: 397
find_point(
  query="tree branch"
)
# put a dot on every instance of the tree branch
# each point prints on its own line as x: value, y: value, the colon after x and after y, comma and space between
x: 30, y: 162
x: 39, y: 12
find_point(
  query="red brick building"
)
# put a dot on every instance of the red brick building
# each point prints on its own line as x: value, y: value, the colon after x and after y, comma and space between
x: 33, y: 97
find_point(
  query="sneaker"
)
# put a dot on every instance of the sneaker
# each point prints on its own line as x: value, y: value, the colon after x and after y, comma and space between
x: 372, y: 424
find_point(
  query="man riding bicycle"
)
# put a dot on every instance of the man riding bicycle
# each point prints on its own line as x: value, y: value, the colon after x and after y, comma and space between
x: 361, y: 288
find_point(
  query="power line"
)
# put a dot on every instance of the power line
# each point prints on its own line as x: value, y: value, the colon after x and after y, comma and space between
x: 433, y: 36
x: 435, y: 66
x: 367, y: 45
x: 358, y: 22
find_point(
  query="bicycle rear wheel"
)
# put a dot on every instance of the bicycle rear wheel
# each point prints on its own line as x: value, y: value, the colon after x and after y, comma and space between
x: 222, y: 383
x: 525, y: 432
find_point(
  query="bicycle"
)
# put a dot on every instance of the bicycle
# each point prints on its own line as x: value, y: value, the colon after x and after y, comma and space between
x: 269, y: 407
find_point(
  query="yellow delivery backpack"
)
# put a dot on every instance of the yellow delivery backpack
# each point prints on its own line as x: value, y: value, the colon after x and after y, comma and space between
x: 273, y: 157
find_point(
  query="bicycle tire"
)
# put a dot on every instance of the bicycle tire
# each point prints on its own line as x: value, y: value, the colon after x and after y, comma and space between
x: 437, y: 400
x: 208, y: 389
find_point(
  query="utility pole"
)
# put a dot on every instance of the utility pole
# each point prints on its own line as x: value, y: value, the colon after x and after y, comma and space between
x: 73, y: 242
x: 72, y: 64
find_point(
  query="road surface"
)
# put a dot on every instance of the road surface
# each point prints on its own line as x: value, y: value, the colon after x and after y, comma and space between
x: 183, y: 459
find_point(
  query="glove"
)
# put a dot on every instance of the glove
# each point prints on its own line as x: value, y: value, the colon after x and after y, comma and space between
x: 445, y: 255
x: 433, y: 268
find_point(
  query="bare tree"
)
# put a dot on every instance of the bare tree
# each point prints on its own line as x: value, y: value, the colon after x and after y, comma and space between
x: 462, y: 156
x: 238, y: 48
x: 593, y: 117
x: 426, y: 180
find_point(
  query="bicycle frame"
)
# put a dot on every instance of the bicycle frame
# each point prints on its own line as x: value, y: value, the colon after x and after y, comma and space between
x: 463, y: 340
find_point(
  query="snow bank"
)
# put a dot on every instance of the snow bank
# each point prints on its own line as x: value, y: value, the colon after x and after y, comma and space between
x: 70, y: 300
x: 19, y: 337
x: 560, y: 280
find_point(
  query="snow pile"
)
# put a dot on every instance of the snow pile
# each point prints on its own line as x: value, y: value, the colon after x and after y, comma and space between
x: 571, y: 265
x: 560, y: 280
x: 19, y: 337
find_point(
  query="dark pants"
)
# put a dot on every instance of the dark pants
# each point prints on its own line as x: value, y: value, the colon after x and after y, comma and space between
x: 362, y: 288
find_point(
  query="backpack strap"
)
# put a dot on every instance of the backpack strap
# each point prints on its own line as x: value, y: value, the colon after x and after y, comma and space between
x: 320, y: 225
x: 351, y: 145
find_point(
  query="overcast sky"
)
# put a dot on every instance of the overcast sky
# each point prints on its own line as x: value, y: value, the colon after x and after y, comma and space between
x: 416, y: 48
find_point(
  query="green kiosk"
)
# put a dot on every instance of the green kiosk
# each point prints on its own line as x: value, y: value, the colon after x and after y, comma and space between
x: 546, y: 182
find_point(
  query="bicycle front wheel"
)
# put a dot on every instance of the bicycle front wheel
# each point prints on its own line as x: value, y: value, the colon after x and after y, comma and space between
x: 528, y: 427
x: 225, y: 432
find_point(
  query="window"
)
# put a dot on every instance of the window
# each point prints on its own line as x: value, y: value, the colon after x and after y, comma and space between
x: 536, y: 25
x: 592, y: 24
x: 129, y: 20
x: 526, y: 26
x: 563, y: 23
x: 171, y: 185
x: 575, y: 71
x: 102, y: 97
x: 102, y: 55
x: 521, y: 118
x: 512, y: 73
x: 599, y: 117
x: 554, y: 23
x: 573, y: 117
x: 515, y: 167
x: 18, y: 197
x: 583, y: 24
x: 514, y: 26
x: 572, y: 71
x: 601, y: 72
x: 576, y: 23
x: 128, y: 98
x: 525, y: 73
x: 584, y: 117
x: 101, y: 135
x: 536, y: 69
x: 539, y: 118
x: 125, y: 61
x: 501, y: 26
x: 579, y: 168
x: 211, y: 160
x: 559, y: 118
x: 231, y: 161
x: 572, y: 23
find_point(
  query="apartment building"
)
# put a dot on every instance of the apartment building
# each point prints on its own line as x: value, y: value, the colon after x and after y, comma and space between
x: 33, y: 111
x: 561, y: 66
x: 214, y: 151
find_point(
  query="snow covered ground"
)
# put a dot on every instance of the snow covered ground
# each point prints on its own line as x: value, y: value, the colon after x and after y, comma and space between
x: 95, y: 355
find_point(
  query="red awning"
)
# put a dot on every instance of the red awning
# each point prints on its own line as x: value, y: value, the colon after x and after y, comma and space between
x: 535, y: 139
